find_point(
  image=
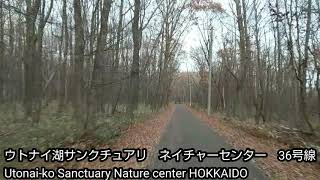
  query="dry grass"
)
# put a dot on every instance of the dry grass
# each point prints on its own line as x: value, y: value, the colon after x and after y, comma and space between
x: 59, y: 130
x: 144, y: 133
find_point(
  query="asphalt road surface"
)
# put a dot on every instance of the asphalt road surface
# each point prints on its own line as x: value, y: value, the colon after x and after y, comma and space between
x: 186, y: 131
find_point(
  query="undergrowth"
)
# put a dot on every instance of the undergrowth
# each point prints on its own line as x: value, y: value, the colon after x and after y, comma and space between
x: 59, y: 130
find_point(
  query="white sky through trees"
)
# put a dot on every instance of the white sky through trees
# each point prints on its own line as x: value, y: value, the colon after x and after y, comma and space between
x: 193, y: 38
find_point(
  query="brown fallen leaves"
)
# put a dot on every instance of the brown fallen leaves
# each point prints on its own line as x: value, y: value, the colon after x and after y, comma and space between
x: 145, y: 134
x: 241, y: 137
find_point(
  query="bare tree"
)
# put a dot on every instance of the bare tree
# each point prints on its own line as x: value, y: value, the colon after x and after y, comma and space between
x: 77, y: 74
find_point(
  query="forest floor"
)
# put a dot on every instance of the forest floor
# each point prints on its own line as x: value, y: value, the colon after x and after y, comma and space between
x: 143, y: 134
x: 242, y: 135
x: 60, y: 131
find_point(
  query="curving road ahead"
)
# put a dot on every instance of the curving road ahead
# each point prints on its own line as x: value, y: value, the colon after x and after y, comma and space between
x: 186, y: 131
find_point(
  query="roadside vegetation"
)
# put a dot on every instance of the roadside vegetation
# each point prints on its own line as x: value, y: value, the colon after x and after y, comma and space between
x: 266, y: 138
x: 60, y: 130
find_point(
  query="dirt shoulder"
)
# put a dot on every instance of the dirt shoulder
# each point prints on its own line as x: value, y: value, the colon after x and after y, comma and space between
x: 242, y: 137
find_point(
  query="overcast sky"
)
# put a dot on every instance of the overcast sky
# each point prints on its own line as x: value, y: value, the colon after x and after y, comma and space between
x: 192, y: 39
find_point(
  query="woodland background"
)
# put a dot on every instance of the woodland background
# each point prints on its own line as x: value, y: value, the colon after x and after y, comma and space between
x: 268, y: 66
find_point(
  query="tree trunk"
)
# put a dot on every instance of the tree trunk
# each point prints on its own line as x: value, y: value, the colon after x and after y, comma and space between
x: 303, y: 72
x: 115, y: 99
x: 63, y: 68
x: 2, y: 45
x: 96, y: 91
x: 260, y: 89
x: 135, y: 78
x: 77, y: 74
x: 32, y: 64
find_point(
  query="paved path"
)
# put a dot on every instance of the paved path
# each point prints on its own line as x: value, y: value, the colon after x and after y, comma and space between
x: 186, y: 131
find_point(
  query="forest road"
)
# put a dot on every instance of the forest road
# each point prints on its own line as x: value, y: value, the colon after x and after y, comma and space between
x: 186, y: 131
